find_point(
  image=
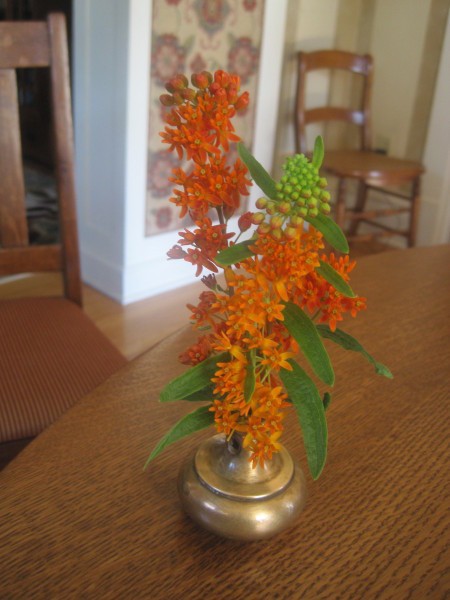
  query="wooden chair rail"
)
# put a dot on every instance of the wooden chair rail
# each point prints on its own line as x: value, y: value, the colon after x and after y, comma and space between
x: 358, y: 64
x: 372, y: 214
x: 13, y: 224
x: 30, y: 259
x: 377, y: 188
x: 24, y: 45
x: 334, y: 113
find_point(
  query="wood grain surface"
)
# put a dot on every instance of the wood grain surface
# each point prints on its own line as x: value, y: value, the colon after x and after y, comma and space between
x: 80, y: 519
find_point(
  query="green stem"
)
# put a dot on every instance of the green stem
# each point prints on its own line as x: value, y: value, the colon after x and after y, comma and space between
x: 220, y: 215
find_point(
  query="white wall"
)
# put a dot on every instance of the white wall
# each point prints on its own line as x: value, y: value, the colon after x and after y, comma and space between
x: 398, y: 38
x: 111, y: 70
x: 435, y: 224
x: 100, y: 30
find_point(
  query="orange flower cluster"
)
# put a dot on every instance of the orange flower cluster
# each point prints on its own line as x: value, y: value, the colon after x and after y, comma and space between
x: 246, y: 318
x: 247, y: 322
x: 320, y: 297
x: 200, y: 128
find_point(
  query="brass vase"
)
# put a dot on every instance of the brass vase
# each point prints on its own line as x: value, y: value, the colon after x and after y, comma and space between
x: 221, y: 491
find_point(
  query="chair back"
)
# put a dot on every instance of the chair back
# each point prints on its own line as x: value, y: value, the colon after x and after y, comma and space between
x: 43, y: 45
x: 361, y: 65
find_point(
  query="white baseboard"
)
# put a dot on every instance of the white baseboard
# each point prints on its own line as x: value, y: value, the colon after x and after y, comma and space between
x: 102, y: 275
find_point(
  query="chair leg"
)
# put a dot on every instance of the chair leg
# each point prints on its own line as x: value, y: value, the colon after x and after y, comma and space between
x: 359, y: 207
x: 340, y: 204
x: 415, y: 207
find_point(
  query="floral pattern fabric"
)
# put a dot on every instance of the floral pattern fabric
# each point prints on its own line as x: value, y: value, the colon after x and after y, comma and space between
x: 190, y: 36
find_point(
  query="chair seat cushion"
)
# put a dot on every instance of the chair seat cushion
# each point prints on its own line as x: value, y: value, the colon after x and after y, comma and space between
x: 51, y: 355
x: 371, y: 166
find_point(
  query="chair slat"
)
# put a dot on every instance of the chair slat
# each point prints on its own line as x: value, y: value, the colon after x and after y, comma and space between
x: 331, y: 113
x: 339, y: 59
x: 65, y: 176
x: 30, y: 259
x: 13, y: 224
x: 24, y: 45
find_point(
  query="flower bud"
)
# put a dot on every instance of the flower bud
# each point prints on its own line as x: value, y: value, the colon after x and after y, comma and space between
x: 222, y: 78
x: 188, y: 94
x: 261, y: 203
x: 242, y: 102
x: 201, y: 80
x: 290, y: 233
x: 271, y: 208
x: 284, y: 207
x: 177, y: 83
x: 232, y: 94
x: 177, y: 98
x: 263, y: 229
x: 258, y: 218
x: 166, y: 100
x: 276, y: 222
x: 277, y: 234
x: 245, y: 221
x: 295, y: 221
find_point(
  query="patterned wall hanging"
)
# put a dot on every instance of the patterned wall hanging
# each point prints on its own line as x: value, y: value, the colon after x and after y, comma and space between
x: 191, y: 36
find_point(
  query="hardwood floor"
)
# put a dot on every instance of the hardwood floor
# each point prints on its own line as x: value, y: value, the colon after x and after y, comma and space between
x: 133, y: 328
x: 138, y: 326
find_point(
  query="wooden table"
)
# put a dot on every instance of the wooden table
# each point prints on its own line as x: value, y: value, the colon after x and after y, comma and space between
x: 80, y: 519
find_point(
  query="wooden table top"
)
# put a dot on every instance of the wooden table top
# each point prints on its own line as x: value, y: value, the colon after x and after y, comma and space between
x: 80, y: 519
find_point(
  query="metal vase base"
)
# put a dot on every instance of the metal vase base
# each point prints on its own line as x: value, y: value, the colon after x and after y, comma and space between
x: 221, y: 491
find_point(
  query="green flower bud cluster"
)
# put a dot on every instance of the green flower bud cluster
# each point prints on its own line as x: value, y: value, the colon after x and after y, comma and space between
x: 300, y: 194
x: 302, y: 187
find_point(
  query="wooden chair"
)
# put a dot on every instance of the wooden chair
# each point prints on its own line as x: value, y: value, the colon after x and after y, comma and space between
x: 371, y: 169
x: 51, y: 354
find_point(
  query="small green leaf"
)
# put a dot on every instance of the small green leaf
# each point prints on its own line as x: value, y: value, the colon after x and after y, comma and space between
x: 234, y: 254
x: 326, y: 400
x: 318, y: 152
x: 330, y: 230
x: 260, y: 176
x: 305, y: 334
x: 350, y: 343
x: 193, y: 380
x: 250, y: 378
x: 332, y: 276
x: 311, y: 413
x: 194, y: 421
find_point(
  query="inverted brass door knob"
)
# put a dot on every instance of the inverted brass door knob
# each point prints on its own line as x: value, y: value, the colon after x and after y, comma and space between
x: 221, y: 491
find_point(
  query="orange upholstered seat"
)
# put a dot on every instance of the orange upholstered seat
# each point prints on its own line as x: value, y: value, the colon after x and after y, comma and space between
x: 51, y: 355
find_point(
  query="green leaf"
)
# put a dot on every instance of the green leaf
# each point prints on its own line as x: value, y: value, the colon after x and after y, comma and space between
x: 250, y: 378
x: 326, y: 400
x: 205, y: 394
x: 332, y: 276
x: 235, y: 254
x: 318, y: 152
x: 331, y: 231
x: 305, y: 334
x: 194, y: 421
x: 193, y: 380
x: 350, y: 343
x: 260, y: 176
x: 311, y: 413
